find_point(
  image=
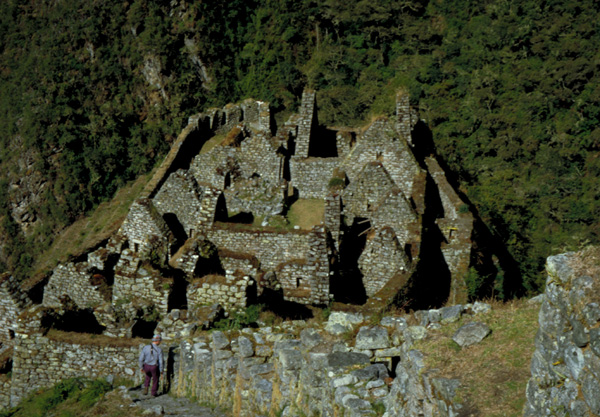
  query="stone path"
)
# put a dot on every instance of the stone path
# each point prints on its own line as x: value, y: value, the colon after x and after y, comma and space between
x: 166, y: 405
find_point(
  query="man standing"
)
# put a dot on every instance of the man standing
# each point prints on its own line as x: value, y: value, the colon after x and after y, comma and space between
x: 152, y: 364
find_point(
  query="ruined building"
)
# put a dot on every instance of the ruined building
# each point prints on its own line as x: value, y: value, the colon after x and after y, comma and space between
x: 213, y: 227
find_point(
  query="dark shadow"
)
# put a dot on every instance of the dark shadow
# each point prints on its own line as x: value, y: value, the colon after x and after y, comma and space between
x: 347, y: 286
x: 429, y: 287
x: 423, y: 145
x: 73, y: 320
x: 178, y: 298
x: 210, y: 264
x: 242, y: 218
x: 144, y: 329
x: 323, y: 143
x: 221, y: 210
x: 177, y: 229
x: 288, y: 310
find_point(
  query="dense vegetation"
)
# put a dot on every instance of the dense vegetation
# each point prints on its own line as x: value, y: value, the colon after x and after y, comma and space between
x: 510, y: 90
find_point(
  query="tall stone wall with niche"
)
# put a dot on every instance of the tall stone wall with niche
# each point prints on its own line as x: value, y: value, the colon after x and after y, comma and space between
x: 306, y: 122
x: 76, y: 282
x: 457, y: 226
x: 311, y: 176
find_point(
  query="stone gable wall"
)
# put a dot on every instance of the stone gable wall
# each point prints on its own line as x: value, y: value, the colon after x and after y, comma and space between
x: 41, y: 362
x: 74, y: 281
x: 381, y: 260
x: 210, y: 168
x: 366, y: 192
x: 144, y: 224
x: 311, y: 176
x: 180, y: 195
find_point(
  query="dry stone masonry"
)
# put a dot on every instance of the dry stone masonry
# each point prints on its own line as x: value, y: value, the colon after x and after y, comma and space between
x: 565, y: 368
x: 211, y: 227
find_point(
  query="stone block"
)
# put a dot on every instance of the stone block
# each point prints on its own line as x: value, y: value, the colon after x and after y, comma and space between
x: 471, y: 333
x: 372, y: 338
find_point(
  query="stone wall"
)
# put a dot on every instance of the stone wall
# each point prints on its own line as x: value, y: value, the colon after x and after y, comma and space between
x: 5, y: 384
x: 306, y: 123
x: 139, y: 284
x: 39, y: 361
x: 565, y: 368
x: 145, y: 228
x: 267, y: 372
x: 231, y: 292
x: 13, y: 300
x: 181, y: 196
x: 381, y: 260
x: 270, y: 248
x: 457, y: 226
x: 75, y: 281
x: 311, y: 176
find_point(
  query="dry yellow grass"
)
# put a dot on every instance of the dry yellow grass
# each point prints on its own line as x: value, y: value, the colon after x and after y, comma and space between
x: 306, y: 213
x: 89, y: 231
x: 212, y: 143
x: 493, y: 373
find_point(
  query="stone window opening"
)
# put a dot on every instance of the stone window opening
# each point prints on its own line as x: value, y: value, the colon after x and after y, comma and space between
x: 11, y: 334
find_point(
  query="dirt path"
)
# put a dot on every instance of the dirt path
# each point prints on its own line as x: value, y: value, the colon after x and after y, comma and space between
x: 166, y: 405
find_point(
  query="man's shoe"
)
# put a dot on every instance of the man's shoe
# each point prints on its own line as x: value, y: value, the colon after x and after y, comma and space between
x: 145, y: 391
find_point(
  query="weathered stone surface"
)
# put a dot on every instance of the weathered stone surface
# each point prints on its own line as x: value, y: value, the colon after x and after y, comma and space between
x: 340, y: 322
x: 310, y: 338
x: 372, y: 338
x: 471, y: 333
x: 343, y: 359
x: 451, y: 314
x: 565, y: 368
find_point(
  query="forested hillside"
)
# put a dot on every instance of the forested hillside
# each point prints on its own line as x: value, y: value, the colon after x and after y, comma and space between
x: 92, y: 93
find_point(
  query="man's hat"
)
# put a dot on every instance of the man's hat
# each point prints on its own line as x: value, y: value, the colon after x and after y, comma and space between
x: 156, y: 338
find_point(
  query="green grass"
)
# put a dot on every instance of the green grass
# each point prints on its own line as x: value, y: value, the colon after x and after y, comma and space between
x: 306, y: 213
x: 493, y: 373
x: 68, y: 398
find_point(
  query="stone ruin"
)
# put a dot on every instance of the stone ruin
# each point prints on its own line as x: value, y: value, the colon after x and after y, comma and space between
x: 211, y: 228
x: 191, y: 239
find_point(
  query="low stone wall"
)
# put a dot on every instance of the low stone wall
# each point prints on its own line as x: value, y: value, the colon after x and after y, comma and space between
x: 311, y: 176
x: 74, y: 281
x: 264, y: 372
x: 565, y: 368
x: 39, y: 361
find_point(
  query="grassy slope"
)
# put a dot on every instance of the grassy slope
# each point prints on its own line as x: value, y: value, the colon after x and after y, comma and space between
x: 493, y: 373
